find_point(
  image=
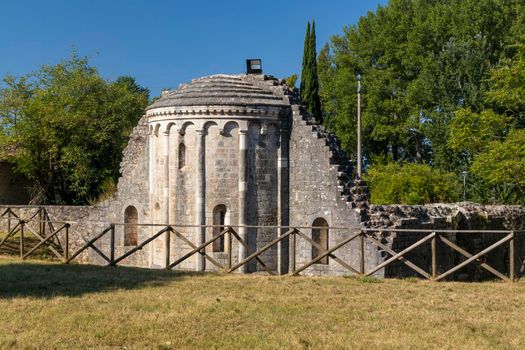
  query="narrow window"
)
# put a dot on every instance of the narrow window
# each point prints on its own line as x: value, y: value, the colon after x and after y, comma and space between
x: 131, y: 219
x: 320, y: 236
x: 219, y: 218
x: 182, y: 156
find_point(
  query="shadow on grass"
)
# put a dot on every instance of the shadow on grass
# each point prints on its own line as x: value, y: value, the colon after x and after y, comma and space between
x: 48, y: 280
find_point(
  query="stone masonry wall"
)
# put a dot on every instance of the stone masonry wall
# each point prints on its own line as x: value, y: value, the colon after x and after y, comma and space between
x: 88, y: 221
x: 459, y: 216
x: 317, y: 169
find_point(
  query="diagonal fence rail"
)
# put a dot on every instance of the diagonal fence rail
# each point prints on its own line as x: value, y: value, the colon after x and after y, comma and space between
x: 298, y: 240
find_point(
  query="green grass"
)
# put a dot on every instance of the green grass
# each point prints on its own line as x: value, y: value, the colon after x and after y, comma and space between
x: 46, y: 305
x: 12, y: 246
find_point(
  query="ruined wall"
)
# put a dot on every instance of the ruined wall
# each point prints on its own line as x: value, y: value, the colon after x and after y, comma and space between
x: 13, y: 187
x: 132, y: 190
x: 88, y: 221
x: 459, y: 216
x: 318, y: 190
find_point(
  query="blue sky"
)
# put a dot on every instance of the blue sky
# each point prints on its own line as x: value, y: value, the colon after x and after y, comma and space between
x: 164, y: 43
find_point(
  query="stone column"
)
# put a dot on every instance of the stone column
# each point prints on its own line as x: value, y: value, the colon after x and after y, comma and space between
x: 282, y: 200
x: 152, y: 144
x: 166, y: 192
x: 200, y: 232
x: 243, y: 186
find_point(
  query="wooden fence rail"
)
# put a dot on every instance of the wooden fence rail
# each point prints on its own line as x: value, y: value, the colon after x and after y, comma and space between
x: 294, y: 235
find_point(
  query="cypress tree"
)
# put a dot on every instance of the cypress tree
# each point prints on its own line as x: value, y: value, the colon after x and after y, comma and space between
x: 309, y: 90
x: 306, y: 52
x: 314, y: 106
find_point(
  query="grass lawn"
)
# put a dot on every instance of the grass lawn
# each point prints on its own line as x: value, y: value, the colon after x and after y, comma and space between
x: 46, y: 305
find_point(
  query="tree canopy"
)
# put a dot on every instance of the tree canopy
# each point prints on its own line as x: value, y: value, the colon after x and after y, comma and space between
x: 66, y: 128
x: 443, y: 84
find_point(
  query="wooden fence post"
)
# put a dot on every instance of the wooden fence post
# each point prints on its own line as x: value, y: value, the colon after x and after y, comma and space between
x: 66, y: 253
x: 112, y: 245
x: 9, y: 220
x: 167, y: 247
x: 433, y: 244
x: 512, y: 258
x: 362, y: 248
x: 40, y: 219
x: 292, y: 254
x: 21, y: 238
x: 230, y: 243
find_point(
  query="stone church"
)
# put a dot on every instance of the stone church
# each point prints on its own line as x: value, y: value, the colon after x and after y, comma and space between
x: 234, y: 150
x: 240, y: 151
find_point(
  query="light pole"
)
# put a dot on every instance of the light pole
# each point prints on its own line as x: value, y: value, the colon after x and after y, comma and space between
x: 464, y: 173
x: 358, y: 125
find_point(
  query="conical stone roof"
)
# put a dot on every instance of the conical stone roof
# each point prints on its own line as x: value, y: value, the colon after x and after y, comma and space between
x: 225, y: 90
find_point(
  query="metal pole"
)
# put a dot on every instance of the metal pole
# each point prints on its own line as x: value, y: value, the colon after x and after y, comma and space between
x: 359, y: 126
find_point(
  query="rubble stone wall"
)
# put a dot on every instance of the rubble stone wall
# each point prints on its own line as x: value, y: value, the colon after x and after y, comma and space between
x: 459, y: 216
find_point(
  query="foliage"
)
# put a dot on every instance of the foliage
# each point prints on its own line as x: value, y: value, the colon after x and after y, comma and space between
x: 503, y: 162
x: 309, y: 89
x: 291, y: 80
x: 471, y: 132
x: 441, y: 81
x: 410, y: 183
x: 68, y: 127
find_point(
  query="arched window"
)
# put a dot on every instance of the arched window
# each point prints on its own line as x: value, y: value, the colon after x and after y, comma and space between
x: 320, y: 236
x: 219, y: 219
x: 131, y: 219
x: 182, y: 155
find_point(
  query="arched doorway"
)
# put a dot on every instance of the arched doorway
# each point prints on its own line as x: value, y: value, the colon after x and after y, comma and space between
x: 320, y: 236
x: 131, y: 219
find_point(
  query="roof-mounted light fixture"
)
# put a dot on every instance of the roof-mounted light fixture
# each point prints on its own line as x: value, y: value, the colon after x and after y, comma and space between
x: 253, y: 66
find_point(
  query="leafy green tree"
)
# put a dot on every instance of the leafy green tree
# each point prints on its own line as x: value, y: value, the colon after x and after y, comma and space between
x: 309, y: 89
x: 471, y: 132
x: 420, y: 62
x: 411, y: 184
x: 70, y: 128
x: 442, y: 84
x: 492, y: 140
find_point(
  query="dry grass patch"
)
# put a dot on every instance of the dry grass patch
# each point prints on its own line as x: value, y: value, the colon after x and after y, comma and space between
x: 45, y: 305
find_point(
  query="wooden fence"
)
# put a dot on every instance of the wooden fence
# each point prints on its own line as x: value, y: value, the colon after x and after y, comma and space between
x: 47, y: 232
